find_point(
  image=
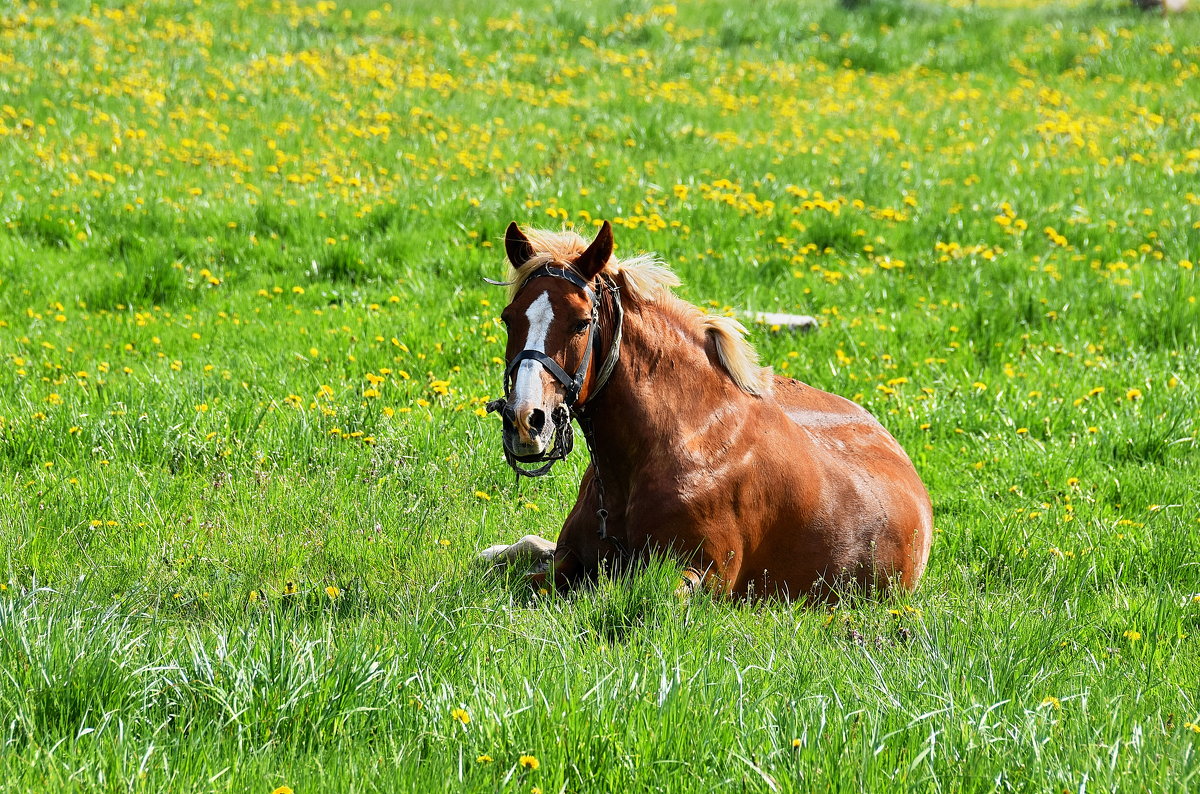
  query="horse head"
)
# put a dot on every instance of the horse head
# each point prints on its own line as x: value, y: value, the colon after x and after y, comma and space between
x: 552, y: 329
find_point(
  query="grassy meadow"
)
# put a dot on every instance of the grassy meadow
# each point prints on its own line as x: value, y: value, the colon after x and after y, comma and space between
x: 245, y: 345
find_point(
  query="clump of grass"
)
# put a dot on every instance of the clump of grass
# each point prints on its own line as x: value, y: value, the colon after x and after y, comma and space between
x: 625, y: 602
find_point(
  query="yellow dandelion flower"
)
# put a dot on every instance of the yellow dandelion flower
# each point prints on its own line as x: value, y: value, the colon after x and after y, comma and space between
x: 333, y: 592
x: 484, y: 759
x: 460, y: 715
x: 796, y: 743
x: 1132, y: 635
x: 529, y: 762
x: 1050, y: 700
x: 1133, y: 394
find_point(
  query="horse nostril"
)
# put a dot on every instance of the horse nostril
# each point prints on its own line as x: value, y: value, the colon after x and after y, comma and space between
x: 537, y: 420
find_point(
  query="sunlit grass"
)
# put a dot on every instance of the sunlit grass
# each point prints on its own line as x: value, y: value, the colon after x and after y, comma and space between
x: 245, y: 345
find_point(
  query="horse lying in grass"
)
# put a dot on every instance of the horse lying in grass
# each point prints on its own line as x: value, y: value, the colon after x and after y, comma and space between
x: 759, y: 484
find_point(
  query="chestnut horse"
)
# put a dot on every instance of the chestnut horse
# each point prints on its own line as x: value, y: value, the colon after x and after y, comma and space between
x: 758, y: 484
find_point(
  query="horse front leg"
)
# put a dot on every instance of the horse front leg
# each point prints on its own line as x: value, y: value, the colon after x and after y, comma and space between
x: 563, y: 572
x: 580, y: 551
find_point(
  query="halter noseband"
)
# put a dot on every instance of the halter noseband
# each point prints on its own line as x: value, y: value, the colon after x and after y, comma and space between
x: 563, y: 434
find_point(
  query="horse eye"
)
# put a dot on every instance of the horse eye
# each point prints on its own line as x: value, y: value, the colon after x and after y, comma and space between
x: 582, y: 326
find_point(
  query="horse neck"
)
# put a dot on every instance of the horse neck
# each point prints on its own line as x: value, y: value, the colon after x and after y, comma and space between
x: 666, y: 388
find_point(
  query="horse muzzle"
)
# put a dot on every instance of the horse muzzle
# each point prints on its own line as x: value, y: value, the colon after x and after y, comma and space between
x: 529, y: 438
x: 530, y: 432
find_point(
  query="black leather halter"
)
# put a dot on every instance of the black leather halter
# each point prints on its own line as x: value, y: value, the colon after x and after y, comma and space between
x: 573, y: 384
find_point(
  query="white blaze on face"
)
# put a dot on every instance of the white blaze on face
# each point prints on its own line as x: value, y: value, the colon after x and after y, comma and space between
x: 528, y: 386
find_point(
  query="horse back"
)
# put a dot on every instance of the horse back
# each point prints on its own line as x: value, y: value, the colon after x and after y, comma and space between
x: 837, y: 426
x: 871, y: 496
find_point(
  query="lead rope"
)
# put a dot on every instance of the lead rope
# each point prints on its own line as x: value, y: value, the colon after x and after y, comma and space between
x: 585, y: 424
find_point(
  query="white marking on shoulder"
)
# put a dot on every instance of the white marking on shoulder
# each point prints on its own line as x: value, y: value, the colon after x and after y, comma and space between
x: 529, y: 385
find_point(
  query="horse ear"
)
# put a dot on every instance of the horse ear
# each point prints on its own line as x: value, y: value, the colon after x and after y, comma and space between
x: 517, y: 245
x: 592, y: 261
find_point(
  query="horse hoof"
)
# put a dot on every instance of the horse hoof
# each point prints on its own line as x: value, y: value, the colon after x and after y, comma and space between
x: 690, y: 582
x: 531, y: 547
x: 491, y: 553
x: 537, y: 547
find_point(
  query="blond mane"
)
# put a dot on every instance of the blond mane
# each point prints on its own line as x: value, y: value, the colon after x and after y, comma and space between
x: 647, y: 278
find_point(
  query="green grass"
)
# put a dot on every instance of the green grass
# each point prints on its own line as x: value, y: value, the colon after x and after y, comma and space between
x: 217, y: 219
